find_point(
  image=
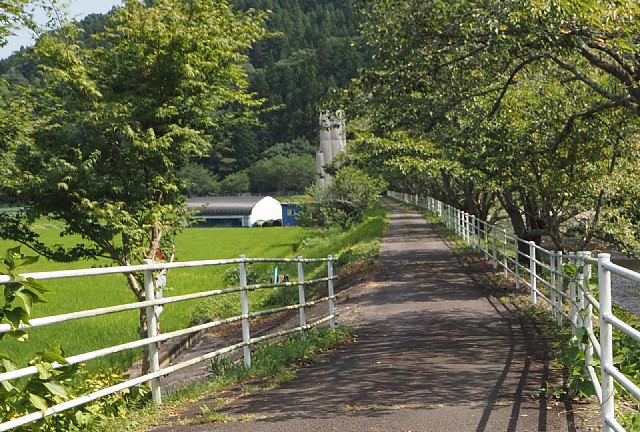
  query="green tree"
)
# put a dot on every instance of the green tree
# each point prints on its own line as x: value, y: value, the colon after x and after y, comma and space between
x: 343, y: 200
x: 235, y: 184
x: 119, y: 123
x: 281, y: 174
x: 313, y: 51
x: 15, y: 120
x: 198, y: 181
x: 299, y: 146
x: 19, y: 14
x: 530, y: 102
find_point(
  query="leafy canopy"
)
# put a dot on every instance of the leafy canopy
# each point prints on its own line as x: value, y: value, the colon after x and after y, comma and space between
x: 533, y: 102
x: 119, y: 121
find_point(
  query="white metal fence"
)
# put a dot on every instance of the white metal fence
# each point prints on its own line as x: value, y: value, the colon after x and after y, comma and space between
x: 568, y: 295
x: 153, y: 339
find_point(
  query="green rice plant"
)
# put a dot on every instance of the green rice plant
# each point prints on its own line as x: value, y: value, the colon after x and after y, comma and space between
x: 74, y: 294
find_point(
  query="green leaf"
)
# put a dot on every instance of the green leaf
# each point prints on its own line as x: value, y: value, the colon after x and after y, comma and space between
x: 39, y: 402
x: 25, y: 300
x: 14, y: 316
x: 54, y: 354
x: 57, y: 389
x: 44, y: 370
x: 7, y: 364
x: 34, y: 284
x: 24, y: 260
x: 8, y: 386
x: 19, y: 335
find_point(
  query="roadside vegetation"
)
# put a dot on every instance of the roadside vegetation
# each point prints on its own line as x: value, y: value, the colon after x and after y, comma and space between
x: 273, y: 364
x: 521, y: 111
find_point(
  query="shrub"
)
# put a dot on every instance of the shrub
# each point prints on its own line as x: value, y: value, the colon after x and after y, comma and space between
x: 50, y: 386
x: 343, y: 200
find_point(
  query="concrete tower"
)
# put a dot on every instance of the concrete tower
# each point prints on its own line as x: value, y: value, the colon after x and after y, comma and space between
x: 333, y: 140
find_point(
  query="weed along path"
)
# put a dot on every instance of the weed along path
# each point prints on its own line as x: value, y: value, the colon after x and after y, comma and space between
x: 433, y: 352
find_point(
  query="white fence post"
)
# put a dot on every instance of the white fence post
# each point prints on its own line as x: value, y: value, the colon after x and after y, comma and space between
x: 517, y: 263
x: 303, y: 316
x: 494, y: 250
x: 572, y: 296
x: 504, y: 253
x: 588, y: 309
x: 486, y: 238
x: 472, y: 230
x: 466, y: 236
x: 332, y: 312
x: 581, y: 288
x: 244, y: 311
x: 606, y: 341
x: 560, y: 285
x: 533, y: 280
x: 554, y: 284
x: 152, y: 331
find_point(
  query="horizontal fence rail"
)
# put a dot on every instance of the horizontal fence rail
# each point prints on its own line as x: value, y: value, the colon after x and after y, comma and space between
x: 153, y: 339
x: 572, y: 297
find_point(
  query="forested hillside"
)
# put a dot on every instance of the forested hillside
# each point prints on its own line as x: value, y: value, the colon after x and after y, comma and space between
x: 312, y: 51
x: 316, y: 53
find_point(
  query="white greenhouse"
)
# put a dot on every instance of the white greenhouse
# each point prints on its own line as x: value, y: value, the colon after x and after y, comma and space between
x: 236, y: 211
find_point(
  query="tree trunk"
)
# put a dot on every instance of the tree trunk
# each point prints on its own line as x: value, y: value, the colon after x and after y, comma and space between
x: 134, y: 285
x: 139, y: 292
x: 517, y: 223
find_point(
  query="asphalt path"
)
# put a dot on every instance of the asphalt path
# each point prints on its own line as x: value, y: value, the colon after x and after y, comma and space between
x: 433, y: 352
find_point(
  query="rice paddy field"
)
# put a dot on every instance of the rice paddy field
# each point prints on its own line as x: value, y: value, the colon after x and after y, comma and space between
x: 76, y: 294
x: 360, y: 242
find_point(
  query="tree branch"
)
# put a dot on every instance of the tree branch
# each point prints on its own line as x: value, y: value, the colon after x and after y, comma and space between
x: 586, y: 114
x: 626, y: 70
x: 518, y: 68
x: 583, y: 78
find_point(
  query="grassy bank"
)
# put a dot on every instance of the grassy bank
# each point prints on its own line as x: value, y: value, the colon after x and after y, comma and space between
x: 359, y: 243
x: 273, y: 364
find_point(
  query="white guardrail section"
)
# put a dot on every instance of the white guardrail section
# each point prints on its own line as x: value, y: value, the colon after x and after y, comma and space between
x: 153, y: 339
x: 568, y: 295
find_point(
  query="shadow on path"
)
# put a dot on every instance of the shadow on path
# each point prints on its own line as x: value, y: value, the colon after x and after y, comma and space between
x: 433, y: 353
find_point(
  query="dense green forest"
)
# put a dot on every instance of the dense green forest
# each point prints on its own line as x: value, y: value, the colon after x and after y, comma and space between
x: 312, y: 52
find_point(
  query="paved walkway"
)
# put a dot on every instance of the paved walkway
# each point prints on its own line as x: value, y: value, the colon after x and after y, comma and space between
x: 433, y: 353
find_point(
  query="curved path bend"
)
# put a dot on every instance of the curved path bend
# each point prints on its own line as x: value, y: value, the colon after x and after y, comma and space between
x: 434, y: 352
